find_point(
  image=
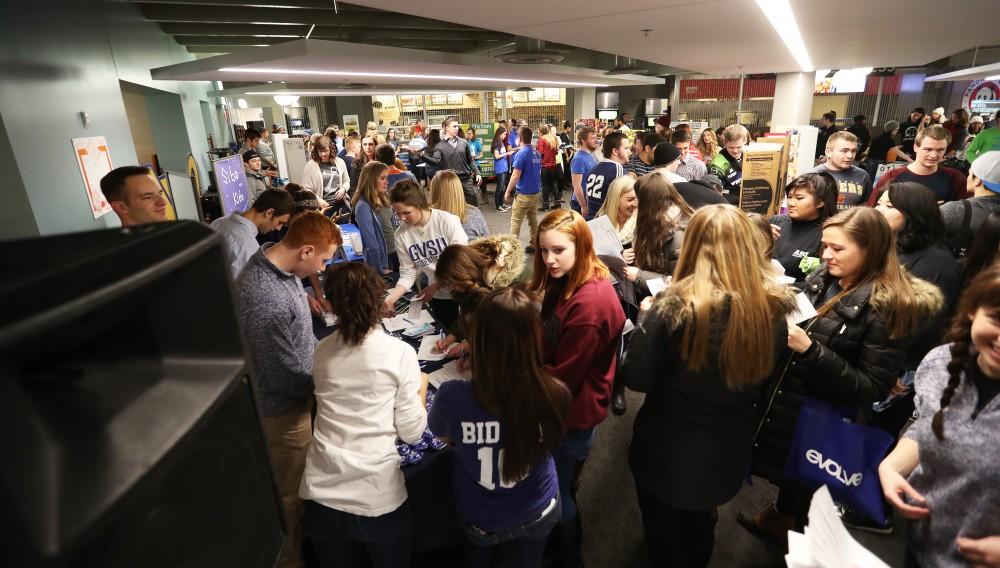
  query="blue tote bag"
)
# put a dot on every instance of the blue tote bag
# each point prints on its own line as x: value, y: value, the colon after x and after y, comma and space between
x: 828, y: 450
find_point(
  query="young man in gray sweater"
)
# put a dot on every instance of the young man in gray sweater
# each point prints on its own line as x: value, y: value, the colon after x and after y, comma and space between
x: 280, y: 344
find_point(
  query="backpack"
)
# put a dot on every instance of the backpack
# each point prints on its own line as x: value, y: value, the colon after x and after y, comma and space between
x: 960, y: 242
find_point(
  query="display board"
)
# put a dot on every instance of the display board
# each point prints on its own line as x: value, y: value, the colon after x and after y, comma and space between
x: 761, y: 188
x: 94, y: 159
x: 295, y: 158
x: 278, y: 146
x: 485, y: 132
x: 234, y: 194
x: 183, y: 192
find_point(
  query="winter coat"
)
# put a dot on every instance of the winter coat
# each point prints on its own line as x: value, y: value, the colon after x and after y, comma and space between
x: 692, y: 440
x: 852, y: 361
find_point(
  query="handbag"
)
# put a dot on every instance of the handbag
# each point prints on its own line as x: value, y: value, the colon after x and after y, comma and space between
x: 828, y: 450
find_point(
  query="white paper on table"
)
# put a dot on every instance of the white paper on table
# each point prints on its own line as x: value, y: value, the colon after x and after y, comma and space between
x: 656, y: 285
x: 416, y: 306
x: 606, y: 240
x: 404, y: 321
x: 447, y: 373
x: 428, y: 349
x: 329, y: 319
x: 804, y: 310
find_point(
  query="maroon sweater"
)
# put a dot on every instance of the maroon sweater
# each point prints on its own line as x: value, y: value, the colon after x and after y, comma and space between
x: 580, y: 345
x: 956, y: 178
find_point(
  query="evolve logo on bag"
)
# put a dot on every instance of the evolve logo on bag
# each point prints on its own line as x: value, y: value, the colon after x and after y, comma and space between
x: 833, y: 469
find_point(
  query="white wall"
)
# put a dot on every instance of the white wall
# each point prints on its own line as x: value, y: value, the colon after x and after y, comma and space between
x: 59, y: 58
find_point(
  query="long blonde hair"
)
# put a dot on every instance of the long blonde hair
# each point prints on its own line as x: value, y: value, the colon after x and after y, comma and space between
x: 711, y: 148
x: 447, y: 194
x: 619, y: 187
x: 717, y: 267
x: 545, y: 133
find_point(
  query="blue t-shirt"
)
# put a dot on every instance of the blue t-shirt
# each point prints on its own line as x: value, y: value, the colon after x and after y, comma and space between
x: 596, y: 184
x: 500, y: 164
x: 475, y: 146
x: 483, y: 499
x: 582, y: 163
x: 512, y: 138
x: 529, y: 161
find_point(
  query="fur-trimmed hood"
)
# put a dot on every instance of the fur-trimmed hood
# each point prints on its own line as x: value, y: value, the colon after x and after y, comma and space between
x: 927, y: 299
x: 506, y: 255
x: 675, y: 311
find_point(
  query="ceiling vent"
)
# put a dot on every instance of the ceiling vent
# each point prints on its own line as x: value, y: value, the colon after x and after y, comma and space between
x: 628, y: 68
x: 532, y: 52
x: 357, y: 86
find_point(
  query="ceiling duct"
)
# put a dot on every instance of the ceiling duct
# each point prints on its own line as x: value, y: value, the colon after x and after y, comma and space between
x: 531, y: 51
x: 629, y: 68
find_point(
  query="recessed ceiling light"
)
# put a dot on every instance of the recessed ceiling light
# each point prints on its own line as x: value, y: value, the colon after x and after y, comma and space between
x: 405, y: 76
x: 779, y: 13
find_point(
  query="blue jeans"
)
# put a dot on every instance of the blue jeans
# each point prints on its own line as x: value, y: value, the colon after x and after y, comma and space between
x: 569, y: 457
x: 502, y: 179
x: 342, y: 539
x: 523, y: 545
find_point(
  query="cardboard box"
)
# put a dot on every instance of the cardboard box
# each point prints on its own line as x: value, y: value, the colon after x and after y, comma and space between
x: 761, y: 190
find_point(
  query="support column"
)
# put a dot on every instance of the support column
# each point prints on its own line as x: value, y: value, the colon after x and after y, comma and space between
x: 793, y: 96
x: 584, y: 102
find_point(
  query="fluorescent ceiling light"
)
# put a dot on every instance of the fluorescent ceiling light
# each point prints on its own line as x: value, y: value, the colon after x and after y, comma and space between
x: 779, y: 13
x: 405, y: 76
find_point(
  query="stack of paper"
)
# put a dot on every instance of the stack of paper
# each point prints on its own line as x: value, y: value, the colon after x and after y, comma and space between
x: 826, y: 543
x: 428, y: 349
x: 449, y: 372
x: 606, y: 240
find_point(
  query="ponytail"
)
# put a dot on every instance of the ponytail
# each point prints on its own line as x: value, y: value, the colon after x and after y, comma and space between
x: 956, y: 368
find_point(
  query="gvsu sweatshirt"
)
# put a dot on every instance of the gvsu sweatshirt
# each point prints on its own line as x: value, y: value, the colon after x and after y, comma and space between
x: 580, y: 346
x: 420, y: 247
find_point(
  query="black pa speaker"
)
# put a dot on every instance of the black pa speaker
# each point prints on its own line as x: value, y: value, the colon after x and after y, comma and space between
x: 128, y: 427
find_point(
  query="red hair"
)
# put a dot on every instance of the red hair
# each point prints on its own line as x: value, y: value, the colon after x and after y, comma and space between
x: 586, y: 266
x: 312, y: 228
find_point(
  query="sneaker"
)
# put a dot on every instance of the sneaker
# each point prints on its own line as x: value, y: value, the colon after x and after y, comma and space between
x: 769, y: 523
x: 856, y: 520
x: 503, y: 209
x: 543, y: 207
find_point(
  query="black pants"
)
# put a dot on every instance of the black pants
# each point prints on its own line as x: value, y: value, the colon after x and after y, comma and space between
x: 794, y: 500
x: 676, y: 538
x: 550, y: 185
x: 345, y: 540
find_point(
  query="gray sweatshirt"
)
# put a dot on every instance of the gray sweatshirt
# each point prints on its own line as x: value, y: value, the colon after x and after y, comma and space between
x: 278, y: 331
x: 957, y: 475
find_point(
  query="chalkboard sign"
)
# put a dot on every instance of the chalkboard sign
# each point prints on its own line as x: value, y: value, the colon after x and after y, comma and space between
x: 233, y: 191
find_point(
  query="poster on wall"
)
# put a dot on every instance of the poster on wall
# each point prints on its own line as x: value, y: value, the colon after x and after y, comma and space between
x: 409, y: 102
x: 535, y: 95
x: 439, y: 100
x: 455, y: 98
x: 351, y: 122
x: 94, y: 159
x: 552, y: 95
x: 519, y: 97
x: 982, y: 98
x: 232, y: 182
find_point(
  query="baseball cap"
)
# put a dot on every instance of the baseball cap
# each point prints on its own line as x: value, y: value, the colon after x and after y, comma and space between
x: 664, y: 154
x: 890, y: 126
x: 976, y: 118
x: 249, y: 155
x: 987, y: 168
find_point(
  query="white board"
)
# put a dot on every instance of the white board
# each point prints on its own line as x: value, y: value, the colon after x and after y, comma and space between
x: 295, y: 158
x: 183, y: 192
x: 278, y: 145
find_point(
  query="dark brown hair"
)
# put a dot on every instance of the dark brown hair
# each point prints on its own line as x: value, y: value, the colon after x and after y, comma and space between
x: 357, y: 292
x: 653, y: 231
x: 510, y: 381
x: 407, y: 191
x: 764, y: 225
x: 981, y: 293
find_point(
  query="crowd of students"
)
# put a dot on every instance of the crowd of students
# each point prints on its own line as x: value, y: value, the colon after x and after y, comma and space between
x: 548, y: 345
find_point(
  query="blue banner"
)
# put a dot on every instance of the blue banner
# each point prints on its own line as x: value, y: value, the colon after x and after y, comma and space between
x: 233, y: 191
